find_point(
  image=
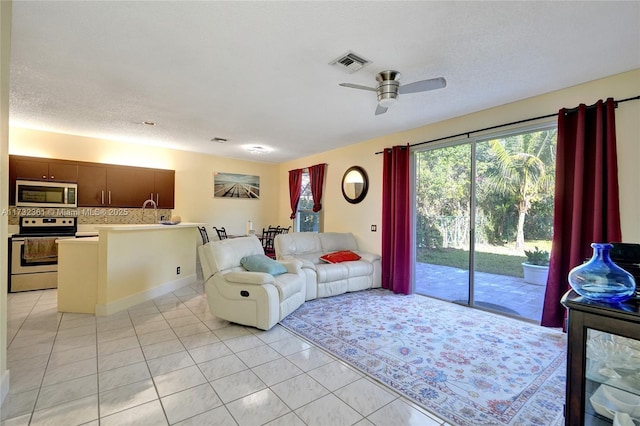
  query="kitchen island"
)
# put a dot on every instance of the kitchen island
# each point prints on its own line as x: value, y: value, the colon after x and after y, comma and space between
x: 124, y: 266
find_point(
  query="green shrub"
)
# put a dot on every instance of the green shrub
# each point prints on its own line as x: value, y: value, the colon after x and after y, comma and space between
x: 537, y: 257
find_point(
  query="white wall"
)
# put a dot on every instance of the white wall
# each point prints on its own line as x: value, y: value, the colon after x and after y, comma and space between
x: 5, y: 43
x: 341, y: 216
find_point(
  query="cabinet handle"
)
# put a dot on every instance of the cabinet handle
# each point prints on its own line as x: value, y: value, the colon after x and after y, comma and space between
x: 102, y: 197
x: 157, y: 198
x: 109, y: 197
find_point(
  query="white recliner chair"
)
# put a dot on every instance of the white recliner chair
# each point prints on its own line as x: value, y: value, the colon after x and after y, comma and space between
x: 256, y: 299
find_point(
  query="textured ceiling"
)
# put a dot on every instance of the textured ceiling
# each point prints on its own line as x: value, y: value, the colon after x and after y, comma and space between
x: 257, y: 73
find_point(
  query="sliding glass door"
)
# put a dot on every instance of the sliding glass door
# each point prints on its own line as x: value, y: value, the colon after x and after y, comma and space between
x: 481, y: 205
x: 443, y: 210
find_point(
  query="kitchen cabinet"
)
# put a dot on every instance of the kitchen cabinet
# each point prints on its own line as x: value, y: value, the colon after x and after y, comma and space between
x: 104, y: 186
x: 164, y: 181
x: 92, y: 184
x: 119, y: 187
x: 154, y: 184
x: 43, y: 169
x: 99, y: 185
x: 603, y: 360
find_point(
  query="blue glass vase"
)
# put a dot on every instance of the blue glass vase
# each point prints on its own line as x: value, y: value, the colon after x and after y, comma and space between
x: 601, y: 279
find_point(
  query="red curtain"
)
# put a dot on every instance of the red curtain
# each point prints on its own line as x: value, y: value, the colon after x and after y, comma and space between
x: 316, y: 181
x: 586, y: 203
x: 295, y: 179
x: 396, y: 220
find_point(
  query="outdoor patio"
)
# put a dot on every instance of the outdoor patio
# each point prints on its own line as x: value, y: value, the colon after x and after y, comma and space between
x: 500, y: 293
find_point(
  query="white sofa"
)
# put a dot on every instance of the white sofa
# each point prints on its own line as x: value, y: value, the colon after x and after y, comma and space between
x: 325, y: 279
x: 257, y: 299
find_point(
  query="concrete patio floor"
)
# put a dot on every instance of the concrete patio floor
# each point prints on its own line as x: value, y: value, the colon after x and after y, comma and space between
x: 513, y: 296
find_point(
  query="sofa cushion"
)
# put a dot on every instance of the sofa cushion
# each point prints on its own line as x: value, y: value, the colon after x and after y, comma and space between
x: 340, y: 256
x: 329, y: 272
x: 304, y: 245
x: 334, y: 241
x: 359, y: 269
x: 262, y: 263
x: 226, y: 254
x: 246, y: 277
x: 289, y: 284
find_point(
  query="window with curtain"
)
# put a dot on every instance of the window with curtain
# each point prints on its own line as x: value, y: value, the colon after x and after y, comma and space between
x: 306, y: 219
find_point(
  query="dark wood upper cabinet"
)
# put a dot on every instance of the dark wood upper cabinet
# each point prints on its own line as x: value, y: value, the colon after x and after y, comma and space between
x: 144, y: 186
x: 164, y: 188
x: 99, y: 185
x: 27, y: 168
x: 92, y: 184
x: 157, y: 185
x: 119, y: 192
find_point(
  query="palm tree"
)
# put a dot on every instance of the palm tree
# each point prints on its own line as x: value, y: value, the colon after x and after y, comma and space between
x: 522, y: 170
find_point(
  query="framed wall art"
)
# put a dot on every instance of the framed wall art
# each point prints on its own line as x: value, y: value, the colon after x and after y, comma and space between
x: 232, y: 185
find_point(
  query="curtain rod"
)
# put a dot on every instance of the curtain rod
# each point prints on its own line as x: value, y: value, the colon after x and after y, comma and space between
x: 526, y: 120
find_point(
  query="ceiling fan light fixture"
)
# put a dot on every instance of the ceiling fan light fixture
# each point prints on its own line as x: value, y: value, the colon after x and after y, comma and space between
x: 388, y: 88
x: 387, y: 101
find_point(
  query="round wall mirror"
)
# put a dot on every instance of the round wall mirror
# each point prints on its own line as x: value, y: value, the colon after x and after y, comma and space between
x: 355, y: 184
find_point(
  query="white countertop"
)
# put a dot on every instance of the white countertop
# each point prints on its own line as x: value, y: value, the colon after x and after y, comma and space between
x: 83, y: 234
x: 145, y: 227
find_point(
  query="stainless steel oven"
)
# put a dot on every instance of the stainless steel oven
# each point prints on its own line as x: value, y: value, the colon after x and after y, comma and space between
x: 33, y: 252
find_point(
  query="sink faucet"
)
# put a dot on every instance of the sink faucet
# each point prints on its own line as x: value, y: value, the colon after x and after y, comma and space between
x: 155, y: 209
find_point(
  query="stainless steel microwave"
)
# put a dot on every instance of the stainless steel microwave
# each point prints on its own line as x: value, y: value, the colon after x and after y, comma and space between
x: 46, y: 194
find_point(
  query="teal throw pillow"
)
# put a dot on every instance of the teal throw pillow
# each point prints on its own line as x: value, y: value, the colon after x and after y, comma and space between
x: 262, y: 263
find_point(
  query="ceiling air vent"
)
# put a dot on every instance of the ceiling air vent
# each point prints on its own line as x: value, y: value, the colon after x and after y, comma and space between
x: 350, y: 62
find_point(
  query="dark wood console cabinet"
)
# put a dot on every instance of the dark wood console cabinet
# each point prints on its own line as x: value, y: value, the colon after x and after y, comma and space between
x: 603, y: 350
x: 99, y: 185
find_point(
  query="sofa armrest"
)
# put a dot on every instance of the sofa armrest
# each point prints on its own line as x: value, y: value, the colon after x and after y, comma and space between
x: 293, y: 265
x: 246, y: 277
x: 369, y: 257
x: 305, y: 263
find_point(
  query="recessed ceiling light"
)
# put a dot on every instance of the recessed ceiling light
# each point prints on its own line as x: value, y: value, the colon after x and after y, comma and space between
x: 257, y: 149
x: 149, y: 123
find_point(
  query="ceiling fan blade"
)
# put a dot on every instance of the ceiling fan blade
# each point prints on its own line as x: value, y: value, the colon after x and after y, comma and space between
x: 381, y: 110
x: 357, y: 86
x: 423, y: 85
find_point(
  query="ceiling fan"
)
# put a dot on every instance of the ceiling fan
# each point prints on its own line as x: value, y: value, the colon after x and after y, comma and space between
x: 389, y: 88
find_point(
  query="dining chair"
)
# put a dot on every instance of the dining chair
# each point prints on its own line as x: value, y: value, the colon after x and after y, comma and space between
x: 285, y: 230
x: 203, y: 234
x: 222, y: 233
x: 268, y: 235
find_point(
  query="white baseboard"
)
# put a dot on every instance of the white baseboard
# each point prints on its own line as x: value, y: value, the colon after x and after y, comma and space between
x: 4, y: 386
x: 152, y: 293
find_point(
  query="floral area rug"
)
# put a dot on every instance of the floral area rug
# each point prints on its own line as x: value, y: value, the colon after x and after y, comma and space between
x: 468, y: 367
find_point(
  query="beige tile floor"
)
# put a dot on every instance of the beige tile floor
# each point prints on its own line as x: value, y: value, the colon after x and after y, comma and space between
x: 169, y: 361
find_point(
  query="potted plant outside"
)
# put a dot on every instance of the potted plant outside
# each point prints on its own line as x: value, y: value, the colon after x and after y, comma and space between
x: 536, y: 268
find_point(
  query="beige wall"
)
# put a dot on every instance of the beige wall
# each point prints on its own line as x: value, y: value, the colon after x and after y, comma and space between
x: 5, y: 43
x: 194, y: 200
x: 342, y: 216
x: 157, y: 253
